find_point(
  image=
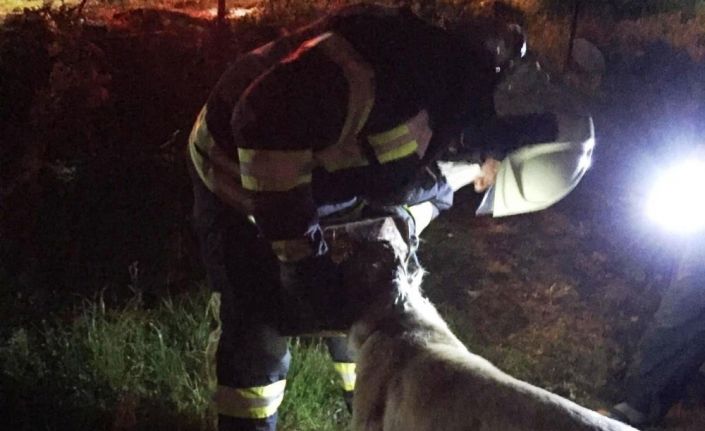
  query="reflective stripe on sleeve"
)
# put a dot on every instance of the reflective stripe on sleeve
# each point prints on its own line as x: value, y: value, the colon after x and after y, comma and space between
x: 202, y: 146
x: 257, y: 402
x: 292, y: 250
x: 273, y: 170
x: 346, y: 152
x: 403, y: 140
x: 422, y: 214
x: 217, y: 171
x: 346, y: 371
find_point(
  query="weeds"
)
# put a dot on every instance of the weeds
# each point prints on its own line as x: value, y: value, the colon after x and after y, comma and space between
x: 136, y: 368
x: 313, y: 401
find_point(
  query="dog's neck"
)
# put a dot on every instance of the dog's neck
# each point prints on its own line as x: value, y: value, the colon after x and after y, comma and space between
x: 405, y: 310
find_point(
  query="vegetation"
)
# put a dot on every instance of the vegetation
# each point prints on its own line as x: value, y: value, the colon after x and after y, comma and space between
x: 626, y: 8
x: 142, y: 368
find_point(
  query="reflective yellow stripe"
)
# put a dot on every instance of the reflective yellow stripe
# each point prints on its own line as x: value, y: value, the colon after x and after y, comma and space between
x: 217, y: 171
x: 292, y: 250
x: 346, y: 370
x: 346, y: 152
x: 256, y: 402
x: 420, y: 129
x: 274, y: 170
x: 390, y: 135
x: 270, y: 390
x: 398, y: 153
x: 403, y: 140
x: 200, y: 138
x: 273, y: 184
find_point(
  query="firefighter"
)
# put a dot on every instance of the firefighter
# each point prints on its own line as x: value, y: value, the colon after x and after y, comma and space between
x: 671, y: 352
x: 342, y: 119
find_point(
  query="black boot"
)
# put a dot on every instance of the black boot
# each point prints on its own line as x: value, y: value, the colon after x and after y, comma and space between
x: 229, y: 423
x: 348, y: 398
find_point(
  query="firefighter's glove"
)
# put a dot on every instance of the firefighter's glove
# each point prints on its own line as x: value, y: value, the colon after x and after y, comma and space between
x: 499, y: 136
x: 312, y: 296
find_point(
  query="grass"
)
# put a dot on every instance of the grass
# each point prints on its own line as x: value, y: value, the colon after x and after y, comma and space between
x: 7, y: 6
x: 136, y: 369
x: 312, y: 399
x: 18, y: 5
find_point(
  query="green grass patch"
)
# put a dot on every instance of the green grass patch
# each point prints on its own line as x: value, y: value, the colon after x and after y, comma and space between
x: 142, y: 369
x: 313, y: 401
x: 9, y: 6
x: 17, y: 5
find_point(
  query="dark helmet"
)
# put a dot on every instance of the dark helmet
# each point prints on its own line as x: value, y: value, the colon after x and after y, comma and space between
x: 497, y: 35
x: 509, y: 46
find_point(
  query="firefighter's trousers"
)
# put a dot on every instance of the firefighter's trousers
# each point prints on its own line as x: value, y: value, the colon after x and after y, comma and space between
x: 252, y: 359
x: 673, y: 347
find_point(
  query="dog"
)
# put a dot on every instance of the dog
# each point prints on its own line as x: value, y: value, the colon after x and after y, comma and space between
x: 413, y: 374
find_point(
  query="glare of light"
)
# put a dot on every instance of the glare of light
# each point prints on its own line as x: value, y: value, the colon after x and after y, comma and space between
x: 239, y: 12
x: 677, y: 199
x: 236, y: 12
x: 585, y: 162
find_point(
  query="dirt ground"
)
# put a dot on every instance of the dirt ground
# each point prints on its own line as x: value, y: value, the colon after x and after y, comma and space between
x: 548, y: 297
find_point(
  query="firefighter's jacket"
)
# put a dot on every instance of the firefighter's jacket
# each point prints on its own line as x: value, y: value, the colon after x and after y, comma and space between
x: 351, y: 107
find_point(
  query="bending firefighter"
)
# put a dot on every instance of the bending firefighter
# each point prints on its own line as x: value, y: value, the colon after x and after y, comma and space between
x: 340, y: 120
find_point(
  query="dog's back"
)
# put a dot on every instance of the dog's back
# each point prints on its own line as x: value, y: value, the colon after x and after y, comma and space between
x: 415, y: 375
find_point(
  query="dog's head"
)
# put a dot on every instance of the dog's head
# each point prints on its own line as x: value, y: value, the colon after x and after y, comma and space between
x: 371, y: 253
x: 383, y: 290
x: 370, y: 275
x: 378, y: 282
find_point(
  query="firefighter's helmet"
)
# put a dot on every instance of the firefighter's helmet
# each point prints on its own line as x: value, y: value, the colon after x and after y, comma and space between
x: 536, y: 176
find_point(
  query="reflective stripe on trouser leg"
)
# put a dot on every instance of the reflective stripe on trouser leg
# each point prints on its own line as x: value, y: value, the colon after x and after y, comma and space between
x: 344, y: 363
x: 256, y: 402
x: 346, y: 371
x: 251, y: 353
x: 253, y: 361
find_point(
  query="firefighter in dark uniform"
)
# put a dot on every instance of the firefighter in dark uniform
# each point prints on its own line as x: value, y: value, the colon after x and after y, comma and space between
x: 672, y: 350
x: 345, y: 116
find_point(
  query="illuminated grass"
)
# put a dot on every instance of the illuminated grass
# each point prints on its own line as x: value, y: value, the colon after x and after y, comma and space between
x: 7, y: 6
x: 313, y: 401
x: 142, y: 369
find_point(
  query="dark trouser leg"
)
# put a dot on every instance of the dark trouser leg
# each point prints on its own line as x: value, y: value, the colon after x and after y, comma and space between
x: 673, y: 347
x: 344, y: 363
x: 252, y: 363
x: 252, y: 358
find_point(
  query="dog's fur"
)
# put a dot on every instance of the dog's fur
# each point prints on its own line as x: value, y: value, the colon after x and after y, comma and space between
x: 415, y: 375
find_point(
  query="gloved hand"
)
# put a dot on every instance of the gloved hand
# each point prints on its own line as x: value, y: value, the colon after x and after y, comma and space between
x: 311, y: 296
x: 501, y: 135
x: 488, y: 175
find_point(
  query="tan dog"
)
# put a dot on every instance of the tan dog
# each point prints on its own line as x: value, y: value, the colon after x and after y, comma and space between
x: 415, y: 375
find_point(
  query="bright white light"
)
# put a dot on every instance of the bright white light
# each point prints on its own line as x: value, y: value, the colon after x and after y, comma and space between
x: 585, y: 162
x: 240, y: 12
x: 236, y: 12
x: 677, y: 199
